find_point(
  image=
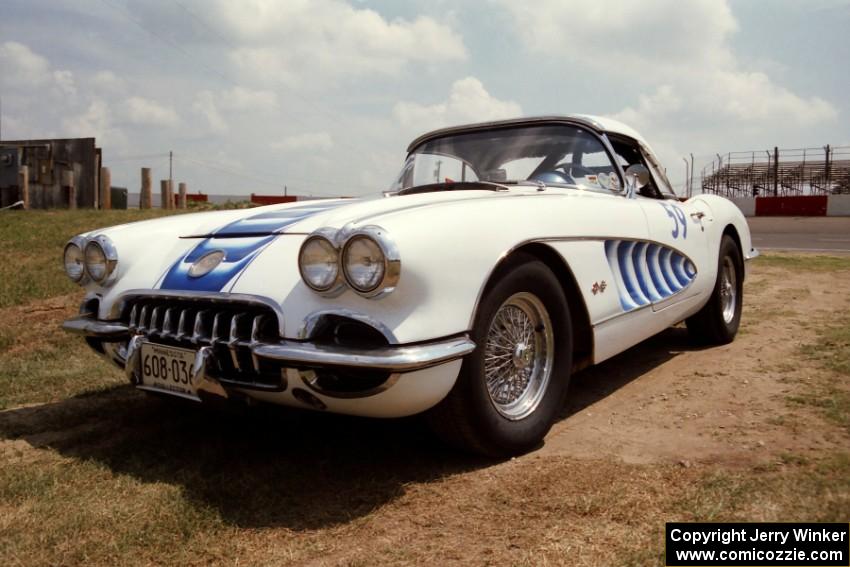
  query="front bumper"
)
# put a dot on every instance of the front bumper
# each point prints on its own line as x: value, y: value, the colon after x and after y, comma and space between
x: 121, y: 345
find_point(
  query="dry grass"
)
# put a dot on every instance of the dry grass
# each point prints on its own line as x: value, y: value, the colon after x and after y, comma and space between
x: 92, y: 472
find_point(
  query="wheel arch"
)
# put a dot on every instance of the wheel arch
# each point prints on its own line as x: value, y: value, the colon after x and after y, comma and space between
x: 732, y: 232
x: 580, y: 319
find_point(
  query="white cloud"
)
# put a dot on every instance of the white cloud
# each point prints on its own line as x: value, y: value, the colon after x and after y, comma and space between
x: 24, y: 68
x: 468, y: 101
x: 286, y: 41
x: 311, y: 141
x: 95, y: 121
x: 205, y: 105
x: 679, y: 55
x: 107, y: 81
x: 148, y: 112
x: 244, y: 99
x: 21, y: 66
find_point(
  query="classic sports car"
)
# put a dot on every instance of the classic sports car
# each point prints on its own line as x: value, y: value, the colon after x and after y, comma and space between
x: 506, y: 256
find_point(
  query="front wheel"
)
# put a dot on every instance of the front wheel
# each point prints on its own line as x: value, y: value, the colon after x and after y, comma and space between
x: 512, y: 387
x: 718, y: 321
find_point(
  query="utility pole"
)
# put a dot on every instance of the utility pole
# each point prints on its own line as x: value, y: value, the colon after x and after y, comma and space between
x: 691, y: 182
x: 170, y: 166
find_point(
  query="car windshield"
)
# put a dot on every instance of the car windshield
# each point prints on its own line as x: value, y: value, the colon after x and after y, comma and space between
x: 557, y: 154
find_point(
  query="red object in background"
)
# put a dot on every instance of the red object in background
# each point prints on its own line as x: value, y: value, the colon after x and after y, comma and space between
x: 805, y: 206
x: 271, y: 199
x: 191, y: 198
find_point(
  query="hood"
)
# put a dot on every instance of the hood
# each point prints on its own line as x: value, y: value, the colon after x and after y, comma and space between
x: 306, y: 216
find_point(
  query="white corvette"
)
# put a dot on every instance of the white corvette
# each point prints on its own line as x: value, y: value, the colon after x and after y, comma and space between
x: 506, y: 256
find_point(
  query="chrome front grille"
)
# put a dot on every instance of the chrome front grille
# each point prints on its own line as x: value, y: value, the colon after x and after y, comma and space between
x: 230, y: 327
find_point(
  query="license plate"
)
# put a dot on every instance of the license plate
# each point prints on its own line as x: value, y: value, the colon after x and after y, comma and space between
x: 168, y: 369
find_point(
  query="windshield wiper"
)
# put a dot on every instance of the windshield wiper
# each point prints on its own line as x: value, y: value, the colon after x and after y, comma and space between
x: 454, y: 186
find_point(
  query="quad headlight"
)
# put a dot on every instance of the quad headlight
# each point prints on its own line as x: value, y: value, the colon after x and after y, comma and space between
x: 365, y: 259
x: 318, y: 262
x: 74, y: 261
x: 90, y: 259
x: 363, y: 263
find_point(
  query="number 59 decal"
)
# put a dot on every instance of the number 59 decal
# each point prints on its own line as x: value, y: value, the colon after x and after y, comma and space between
x: 679, y: 220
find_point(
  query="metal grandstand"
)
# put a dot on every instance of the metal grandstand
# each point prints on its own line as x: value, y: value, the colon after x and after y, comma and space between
x: 779, y: 173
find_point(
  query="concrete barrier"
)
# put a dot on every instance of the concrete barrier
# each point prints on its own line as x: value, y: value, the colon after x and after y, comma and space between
x: 802, y: 206
x: 838, y: 206
x: 747, y: 205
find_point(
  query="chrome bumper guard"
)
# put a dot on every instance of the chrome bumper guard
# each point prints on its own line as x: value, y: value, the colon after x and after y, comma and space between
x: 399, y: 358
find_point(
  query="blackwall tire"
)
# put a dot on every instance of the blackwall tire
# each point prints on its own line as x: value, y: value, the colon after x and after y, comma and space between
x: 718, y: 321
x: 512, y: 387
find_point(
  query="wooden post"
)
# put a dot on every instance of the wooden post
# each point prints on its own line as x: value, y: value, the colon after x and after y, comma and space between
x: 24, y: 185
x: 68, y: 187
x: 181, y: 197
x: 105, y: 188
x: 167, y: 194
x: 145, y: 198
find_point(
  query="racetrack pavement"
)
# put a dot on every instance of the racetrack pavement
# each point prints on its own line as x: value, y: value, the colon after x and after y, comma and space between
x: 801, y: 234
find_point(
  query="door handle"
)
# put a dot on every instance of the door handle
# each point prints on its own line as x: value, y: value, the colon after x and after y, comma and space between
x: 698, y: 216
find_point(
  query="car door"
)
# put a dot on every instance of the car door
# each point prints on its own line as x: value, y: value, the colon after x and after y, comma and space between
x: 676, y: 255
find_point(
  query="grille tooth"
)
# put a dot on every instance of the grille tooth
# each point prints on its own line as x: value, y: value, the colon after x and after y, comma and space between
x: 133, y: 315
x: 256, y: 327
x: 167, y: 323
x: 181, y: 325
x: 214, y: 333
x: 154, y: 319
x: 199, y: 331
x: 233, y: 341
x: 142, y: 316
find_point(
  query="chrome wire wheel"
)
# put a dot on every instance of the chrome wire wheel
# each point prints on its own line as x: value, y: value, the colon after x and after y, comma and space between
x: 728, y: 290
x: 519, y: 355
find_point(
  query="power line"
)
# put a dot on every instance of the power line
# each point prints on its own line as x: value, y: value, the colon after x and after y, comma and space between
x: 204, y: 24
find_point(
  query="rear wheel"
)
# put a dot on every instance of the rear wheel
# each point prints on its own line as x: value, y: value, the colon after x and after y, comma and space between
x: 718, y: 321
x: 512, y: 387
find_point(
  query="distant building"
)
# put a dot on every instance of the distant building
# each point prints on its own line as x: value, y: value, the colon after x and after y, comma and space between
x: 47, y: 160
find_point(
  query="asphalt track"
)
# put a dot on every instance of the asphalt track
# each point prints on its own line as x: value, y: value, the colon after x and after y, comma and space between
x: 801, y: 234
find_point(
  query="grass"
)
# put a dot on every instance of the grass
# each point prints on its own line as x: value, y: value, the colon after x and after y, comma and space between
x: 92, y: 472
x: 831, y: 352
x: 807, y: 262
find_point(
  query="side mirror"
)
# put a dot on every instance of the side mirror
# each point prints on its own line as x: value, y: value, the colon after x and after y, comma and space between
x: 637, y: 176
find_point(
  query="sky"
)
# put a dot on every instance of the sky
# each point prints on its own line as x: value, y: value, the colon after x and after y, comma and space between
x: 323, y: 96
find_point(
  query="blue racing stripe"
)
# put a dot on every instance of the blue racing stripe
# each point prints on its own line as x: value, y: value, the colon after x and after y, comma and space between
x: 238, y: 253
x: 275, y: 221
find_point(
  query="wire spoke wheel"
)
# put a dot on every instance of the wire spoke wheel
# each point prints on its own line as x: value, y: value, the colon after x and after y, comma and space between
x: 519, y: 355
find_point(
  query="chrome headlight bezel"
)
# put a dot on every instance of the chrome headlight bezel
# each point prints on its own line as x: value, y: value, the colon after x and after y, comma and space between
x: 110, y: 255
x: 340, y: 240
x: 337, y: 284
x: 80, y: 244
x: 390, y: 258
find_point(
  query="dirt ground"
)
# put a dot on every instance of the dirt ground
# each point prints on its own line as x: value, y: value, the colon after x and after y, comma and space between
x: 664, y: 432
x: 666, y: 400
